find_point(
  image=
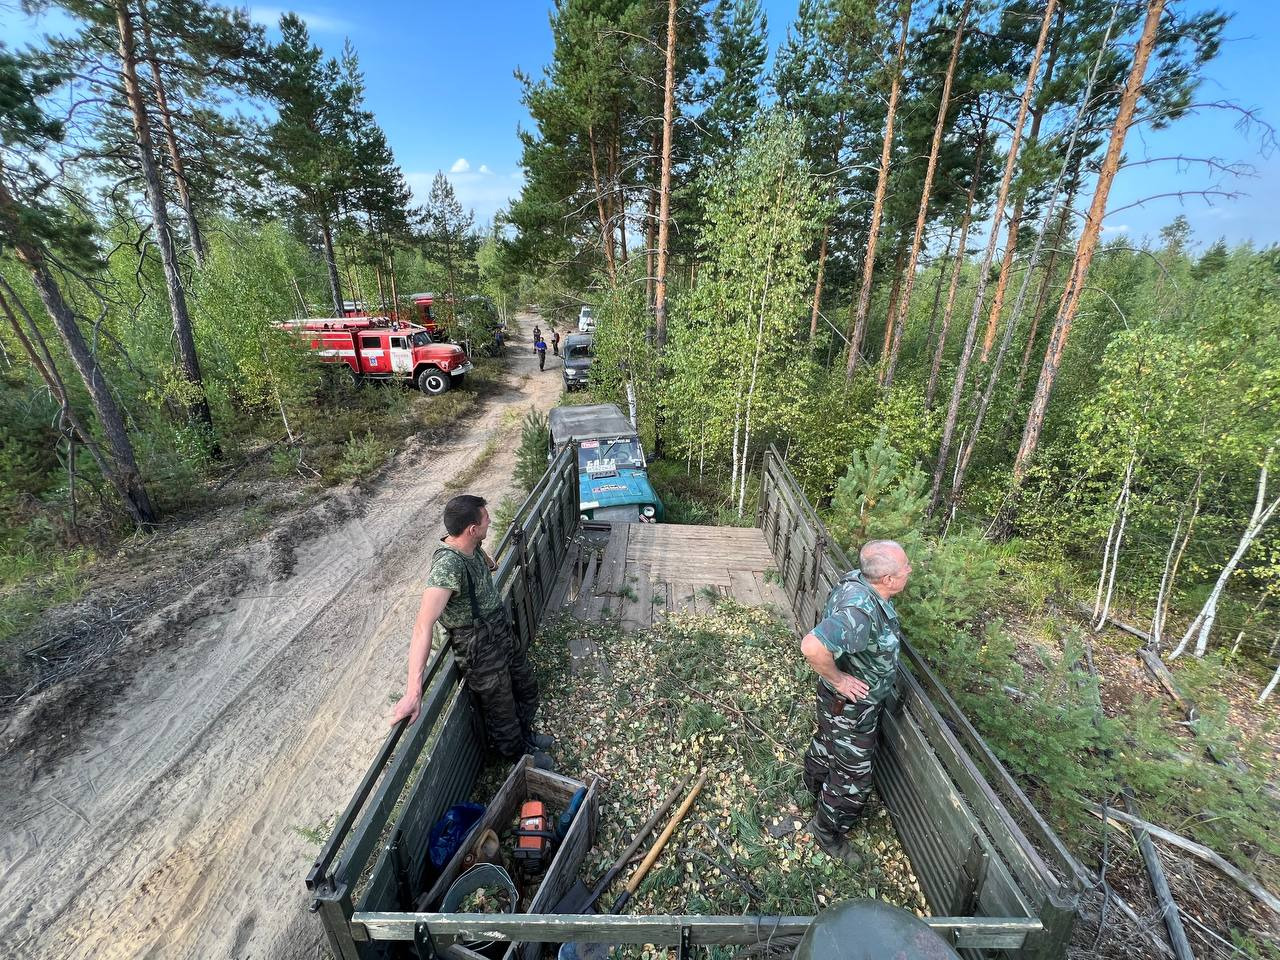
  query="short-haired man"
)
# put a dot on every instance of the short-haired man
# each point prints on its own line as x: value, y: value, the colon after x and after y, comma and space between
x: 461, y: 596
x: 854, y: 651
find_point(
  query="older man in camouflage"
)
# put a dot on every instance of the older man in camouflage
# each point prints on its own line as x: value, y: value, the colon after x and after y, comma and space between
x: 461, y: 596
x: 854, y: 651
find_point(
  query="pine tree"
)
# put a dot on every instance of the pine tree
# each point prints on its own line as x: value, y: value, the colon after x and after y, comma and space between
x: 863, y: 303
x: 309, y: 145
x: 447, y: 228
x: 739, y: 35
x: 43, y: 235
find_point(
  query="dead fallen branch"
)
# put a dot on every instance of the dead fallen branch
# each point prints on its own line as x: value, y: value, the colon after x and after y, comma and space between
x: 1197, y: 850
x: 1160, y: 887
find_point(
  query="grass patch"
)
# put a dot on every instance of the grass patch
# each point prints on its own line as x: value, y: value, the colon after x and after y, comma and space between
x: 32, y: 581
x: 688, y: 498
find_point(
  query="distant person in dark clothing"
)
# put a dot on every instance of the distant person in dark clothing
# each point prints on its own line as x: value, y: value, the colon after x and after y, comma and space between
x: 537, y: 335
x: 555, y: 342
x: 541, y: 347
x: 498, y: 339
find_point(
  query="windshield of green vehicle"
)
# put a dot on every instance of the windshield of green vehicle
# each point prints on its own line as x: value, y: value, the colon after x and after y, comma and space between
x: 596, y: 457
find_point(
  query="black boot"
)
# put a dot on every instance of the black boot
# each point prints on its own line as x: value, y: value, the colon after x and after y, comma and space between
x: 539, y: 741
x: 833, y: 843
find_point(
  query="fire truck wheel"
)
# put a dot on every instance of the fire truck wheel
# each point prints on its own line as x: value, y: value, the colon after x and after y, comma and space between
x: 433, y: 381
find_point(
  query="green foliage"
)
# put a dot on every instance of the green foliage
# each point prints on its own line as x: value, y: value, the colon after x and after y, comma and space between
x: 361, y: 456
x: 531, y: 456
x: 705, y: 500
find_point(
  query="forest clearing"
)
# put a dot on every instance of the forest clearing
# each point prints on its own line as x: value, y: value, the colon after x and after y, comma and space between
x: 956, y: 261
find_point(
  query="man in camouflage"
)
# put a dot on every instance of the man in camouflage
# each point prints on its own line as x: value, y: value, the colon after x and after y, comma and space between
x: 854, y: 651
x: 461, y: 597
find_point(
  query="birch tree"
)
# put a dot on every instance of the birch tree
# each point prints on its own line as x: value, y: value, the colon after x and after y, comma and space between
x: 1202, y: 624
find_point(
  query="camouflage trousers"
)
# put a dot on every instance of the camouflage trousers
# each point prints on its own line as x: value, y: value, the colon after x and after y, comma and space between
x: 837, y: 765
x: 501, y: 679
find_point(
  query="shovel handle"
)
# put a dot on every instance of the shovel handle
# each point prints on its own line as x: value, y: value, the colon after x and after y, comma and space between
x: 656, y: 850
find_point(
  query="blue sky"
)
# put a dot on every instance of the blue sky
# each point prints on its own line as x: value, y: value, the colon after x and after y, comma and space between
x: 440, y: 79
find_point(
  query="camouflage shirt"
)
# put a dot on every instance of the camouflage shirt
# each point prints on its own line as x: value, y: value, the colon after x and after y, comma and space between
x: 464, y: 575
x: 861, y: 630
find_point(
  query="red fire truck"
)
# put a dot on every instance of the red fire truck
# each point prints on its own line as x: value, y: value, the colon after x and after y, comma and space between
x: 374, y: 348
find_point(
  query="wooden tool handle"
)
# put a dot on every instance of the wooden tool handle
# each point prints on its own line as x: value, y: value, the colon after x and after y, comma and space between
x: 656, y: 850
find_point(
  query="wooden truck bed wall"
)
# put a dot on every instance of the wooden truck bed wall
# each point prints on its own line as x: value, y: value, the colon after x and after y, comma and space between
x: 961, y: 818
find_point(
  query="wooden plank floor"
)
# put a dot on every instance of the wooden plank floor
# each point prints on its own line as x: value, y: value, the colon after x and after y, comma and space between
x: 635, y: 573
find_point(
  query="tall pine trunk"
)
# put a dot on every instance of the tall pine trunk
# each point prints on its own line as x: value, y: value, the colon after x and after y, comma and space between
x: 895, y: 289
x: 1015, y: 221
x: 1068, y: 167
x: 621, y: 186
x: 606, y: 231
x: 197, y: 409
x: 1070, y: 304
x: 904, y: 303
x: 651, y: 221
x: 937, y: 289
x: 984, y: 268
x: 863, y: 304
x: 331, y: 262
x: 817, y: 284
x: 664, y: 186
x: 176, y: 163
x: 939, y: 351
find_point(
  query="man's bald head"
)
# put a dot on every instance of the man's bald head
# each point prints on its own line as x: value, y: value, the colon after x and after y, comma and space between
x: 879, y: 559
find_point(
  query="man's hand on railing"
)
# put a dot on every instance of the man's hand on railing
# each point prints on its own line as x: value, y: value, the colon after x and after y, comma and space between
x: 407, y: 706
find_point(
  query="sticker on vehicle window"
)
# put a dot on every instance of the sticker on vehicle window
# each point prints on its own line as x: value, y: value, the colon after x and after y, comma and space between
x: 590, y: 444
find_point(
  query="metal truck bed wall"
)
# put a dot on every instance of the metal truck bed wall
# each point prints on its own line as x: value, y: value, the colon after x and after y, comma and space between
x: 969, y: 851
x: 987, y: 885
x: 440, y: 755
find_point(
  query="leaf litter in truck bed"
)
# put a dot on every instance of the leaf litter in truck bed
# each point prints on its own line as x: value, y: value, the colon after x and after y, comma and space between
x: 728, y: 691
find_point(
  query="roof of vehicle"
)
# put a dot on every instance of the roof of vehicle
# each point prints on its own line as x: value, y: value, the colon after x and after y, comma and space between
x: 573, y: 338
x: 589, y: 421
x: 362, y: 324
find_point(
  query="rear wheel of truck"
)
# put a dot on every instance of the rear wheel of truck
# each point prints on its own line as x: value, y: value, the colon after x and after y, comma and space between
x: 433, y: 382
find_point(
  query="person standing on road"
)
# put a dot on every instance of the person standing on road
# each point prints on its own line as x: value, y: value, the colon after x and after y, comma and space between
x: 555, y: 342
x: 461, y: 597
x: 537, y: 335
x: 541, y: 347
x: 854, y: 651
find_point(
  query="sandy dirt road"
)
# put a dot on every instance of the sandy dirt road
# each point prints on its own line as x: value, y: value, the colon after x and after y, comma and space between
x: 171, y: 830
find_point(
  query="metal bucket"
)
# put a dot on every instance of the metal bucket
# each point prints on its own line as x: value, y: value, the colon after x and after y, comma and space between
x: 481, y: 875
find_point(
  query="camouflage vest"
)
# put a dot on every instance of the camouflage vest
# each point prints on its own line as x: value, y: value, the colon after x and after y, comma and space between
x: 863, y: 628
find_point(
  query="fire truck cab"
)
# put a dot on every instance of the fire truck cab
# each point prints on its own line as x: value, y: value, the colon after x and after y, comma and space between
x: 373, y: 348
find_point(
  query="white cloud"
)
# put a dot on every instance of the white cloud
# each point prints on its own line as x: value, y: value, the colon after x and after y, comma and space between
x: 319, y: 22
x: 486, y: 170
x: 460, y: 166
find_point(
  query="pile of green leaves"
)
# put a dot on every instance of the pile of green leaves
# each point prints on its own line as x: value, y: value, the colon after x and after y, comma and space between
x: 727, y: 692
